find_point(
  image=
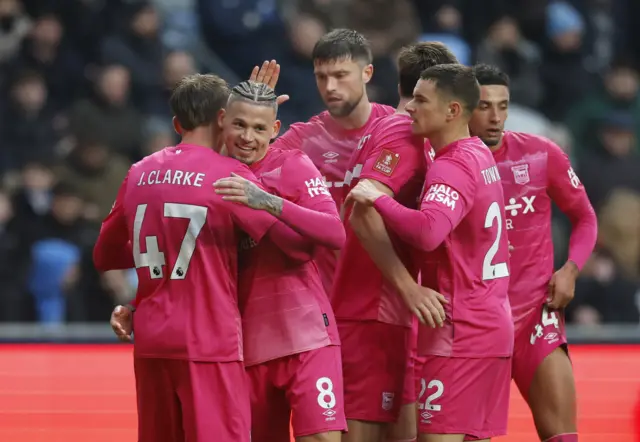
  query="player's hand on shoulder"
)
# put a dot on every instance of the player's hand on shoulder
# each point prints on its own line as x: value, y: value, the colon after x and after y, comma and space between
x: 268, y: 73
x: 365, y: 193
x: 122, y: 322
x: 562, y: 286
x: 426, y: 304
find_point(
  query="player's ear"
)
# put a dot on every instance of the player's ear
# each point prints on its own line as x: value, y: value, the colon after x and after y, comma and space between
x: 455, y: 110
x: 176, y: 126
x: 276, y: 128
x: 367, y: 73
x: 221, y: 114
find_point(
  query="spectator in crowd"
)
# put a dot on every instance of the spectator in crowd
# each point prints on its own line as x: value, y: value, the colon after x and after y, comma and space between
x: 56, y: 250
x: 14, y: 27
x: 620, y: 92
x: 615, y: 162
x: 176, y: 65
x: 388, y: 25
x: 139, y: 48
x: 28, y: 125
x: 506, y: 48
x: 563, y: 59
x: 97, y: 173
x: 45, y: 51
x: 603, y: 293
x: 14, y: 264
x: 108, y: 115
x: 32, y: 202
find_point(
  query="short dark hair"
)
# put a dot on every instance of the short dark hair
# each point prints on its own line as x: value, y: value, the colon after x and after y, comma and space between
x: 488, y: 75
x: 417, y: 57
x: 342, y: 44
x: 196, y: 100
x: 455, y: 80
x: 255, y: 93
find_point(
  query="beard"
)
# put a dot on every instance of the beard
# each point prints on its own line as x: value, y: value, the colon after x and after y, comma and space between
x: 346, y: 108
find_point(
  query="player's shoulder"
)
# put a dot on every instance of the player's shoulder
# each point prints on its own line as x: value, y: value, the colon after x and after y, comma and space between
x: 380, y: 110
x: 395, y: 129
x: 529, y: 143
x: 290, y: 160
x: 469, y: 155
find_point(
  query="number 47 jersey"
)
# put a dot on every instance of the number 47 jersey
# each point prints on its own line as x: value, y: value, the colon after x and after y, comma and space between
x: 182, y: 238
x: 470, y: 267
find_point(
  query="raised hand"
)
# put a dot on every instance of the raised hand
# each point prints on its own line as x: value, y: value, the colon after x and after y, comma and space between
x: 268, y: 73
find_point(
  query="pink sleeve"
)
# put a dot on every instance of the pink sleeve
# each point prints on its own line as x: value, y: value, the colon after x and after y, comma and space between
x: 290, y: 140
x: 391, y: 159
x: 113, y: 250
x: 450, y: 187
x: 255, y: 223
x: 566, y: 190
x: 308, y: 207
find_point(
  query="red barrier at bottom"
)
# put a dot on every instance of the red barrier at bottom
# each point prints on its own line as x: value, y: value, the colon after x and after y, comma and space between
x: 81, y: 393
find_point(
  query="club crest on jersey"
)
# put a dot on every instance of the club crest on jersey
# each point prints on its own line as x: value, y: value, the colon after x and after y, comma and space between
x: 521, y: 173
x: 387, y: 400
x: 386, y: 162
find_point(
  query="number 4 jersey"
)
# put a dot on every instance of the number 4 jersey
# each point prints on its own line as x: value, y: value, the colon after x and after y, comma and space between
x: 184, y: 241
x: 461, y: 226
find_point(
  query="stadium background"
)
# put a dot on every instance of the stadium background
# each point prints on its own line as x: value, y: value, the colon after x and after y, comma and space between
x: 83, y: 94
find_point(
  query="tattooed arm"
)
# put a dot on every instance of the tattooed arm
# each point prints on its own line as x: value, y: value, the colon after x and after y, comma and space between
x: 312, y: 224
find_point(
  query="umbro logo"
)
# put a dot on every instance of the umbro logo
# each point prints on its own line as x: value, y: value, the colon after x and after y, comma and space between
x: 330, y: 155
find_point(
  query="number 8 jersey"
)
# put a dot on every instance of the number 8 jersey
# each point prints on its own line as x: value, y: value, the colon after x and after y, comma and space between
x: 182, y: 238
x: 461, y: 227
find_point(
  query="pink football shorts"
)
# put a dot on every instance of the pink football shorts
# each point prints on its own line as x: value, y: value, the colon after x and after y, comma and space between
x: 537, y: 335
x: 414, y: 370
x: 182, y: 400
x: 464, y: 396
x: 374, y: 363
x: 303, y: 389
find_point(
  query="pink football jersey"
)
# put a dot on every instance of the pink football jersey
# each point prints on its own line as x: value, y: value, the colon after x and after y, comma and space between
x: 184, y: 240
x: 330, y: 148
x: 391, y: 155
x: 285, y: 309
x: 461, y: 225
x: 535, y: 172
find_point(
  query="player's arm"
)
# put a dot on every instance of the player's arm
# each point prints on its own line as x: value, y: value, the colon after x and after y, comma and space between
x: 288, y: 240
x: 319, y: 221
x: 369, y: 227
x: 566, y: 190
x: 367, y: 223
x: 112, y: 250
x: 450, y: 188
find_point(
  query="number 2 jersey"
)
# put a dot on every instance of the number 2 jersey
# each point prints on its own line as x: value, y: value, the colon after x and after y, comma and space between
x: 535, y: 172
x: 461, y: 228
x: 184, y: 239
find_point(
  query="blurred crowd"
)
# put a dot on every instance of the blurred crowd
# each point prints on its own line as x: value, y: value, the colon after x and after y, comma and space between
x: 85, y: 84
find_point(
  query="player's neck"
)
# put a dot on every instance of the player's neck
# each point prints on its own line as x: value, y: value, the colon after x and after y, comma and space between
x: 200, y: 136
x: 401, y: 106
x: 451, y: 135
x: 358, y: 117
x: 496, y: 147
